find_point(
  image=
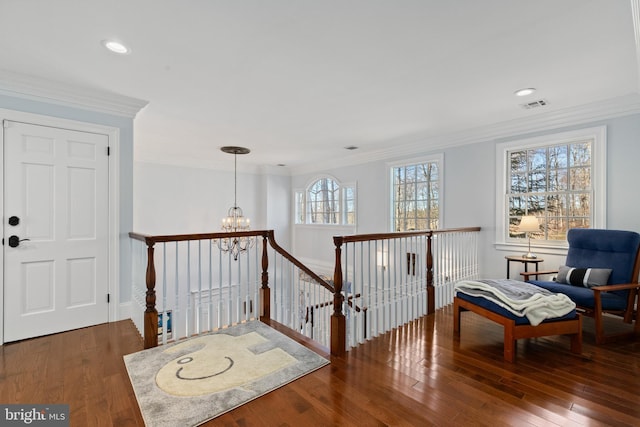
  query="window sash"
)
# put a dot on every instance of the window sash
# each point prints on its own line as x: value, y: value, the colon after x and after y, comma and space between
x: 553, y: 183
x: 565, y: 186
x: 415, y: 195
x: 325, y: 202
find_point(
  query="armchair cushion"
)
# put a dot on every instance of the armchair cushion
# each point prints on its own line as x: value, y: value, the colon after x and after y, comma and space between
x: 587, y: 277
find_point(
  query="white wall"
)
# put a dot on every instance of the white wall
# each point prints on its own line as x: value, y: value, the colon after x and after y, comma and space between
x: 181, y: 200
x: 276, y: 203
x: 469, y: 196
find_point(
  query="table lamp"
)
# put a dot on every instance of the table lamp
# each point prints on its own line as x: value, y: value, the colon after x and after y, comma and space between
x: 529, y: 224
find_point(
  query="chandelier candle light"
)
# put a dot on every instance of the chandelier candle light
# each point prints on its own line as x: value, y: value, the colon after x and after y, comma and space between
x: 235, y: 220
x: 529, y: 224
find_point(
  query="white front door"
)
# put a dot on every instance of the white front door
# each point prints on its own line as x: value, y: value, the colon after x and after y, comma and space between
x: 55, y: 223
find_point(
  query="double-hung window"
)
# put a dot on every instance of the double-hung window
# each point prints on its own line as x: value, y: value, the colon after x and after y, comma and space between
x: 558, y: 178
x: 416, y: 195
x: 326, y: 201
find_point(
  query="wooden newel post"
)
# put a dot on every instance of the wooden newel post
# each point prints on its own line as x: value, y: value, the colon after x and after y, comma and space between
x: 265, y: 292
x: 150, y: 314
x: 431, y: 294
x: 338, y: 321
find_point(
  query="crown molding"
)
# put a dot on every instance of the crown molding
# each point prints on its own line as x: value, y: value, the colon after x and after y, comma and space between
x: 418, y: 145
x: 55, y: 92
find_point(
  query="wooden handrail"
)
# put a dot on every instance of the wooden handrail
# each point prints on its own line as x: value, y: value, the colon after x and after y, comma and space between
x: 301, y: 266
x: 399, y: 235
x: 199, y: 236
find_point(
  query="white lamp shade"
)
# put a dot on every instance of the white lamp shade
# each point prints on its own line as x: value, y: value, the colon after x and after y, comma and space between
x: 529, y: 224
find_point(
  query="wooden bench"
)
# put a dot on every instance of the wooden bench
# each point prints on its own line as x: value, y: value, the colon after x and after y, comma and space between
x: 514, y: 332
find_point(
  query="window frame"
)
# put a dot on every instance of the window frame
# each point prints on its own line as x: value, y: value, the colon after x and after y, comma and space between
x: 301, y: 198
x: 434, y: 158
x: 598, y: 136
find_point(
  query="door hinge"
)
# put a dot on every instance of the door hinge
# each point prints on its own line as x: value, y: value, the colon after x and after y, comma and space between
x: 108, y: 150
x: 108, y: 298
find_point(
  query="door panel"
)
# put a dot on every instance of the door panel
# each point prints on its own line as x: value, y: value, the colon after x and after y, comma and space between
x: 56, y: 182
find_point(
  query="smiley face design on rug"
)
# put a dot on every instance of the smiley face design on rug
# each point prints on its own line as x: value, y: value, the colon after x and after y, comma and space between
x: 220, y: 362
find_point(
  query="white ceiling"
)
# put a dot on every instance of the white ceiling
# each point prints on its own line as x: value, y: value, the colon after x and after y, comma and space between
x: 296, y: 81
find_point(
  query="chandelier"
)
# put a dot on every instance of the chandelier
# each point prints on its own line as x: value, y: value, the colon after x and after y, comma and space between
x: 235, y: 220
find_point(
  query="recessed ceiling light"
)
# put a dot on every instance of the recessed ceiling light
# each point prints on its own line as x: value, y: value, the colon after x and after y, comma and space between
x: 116, y: 47
x: 525, y: 91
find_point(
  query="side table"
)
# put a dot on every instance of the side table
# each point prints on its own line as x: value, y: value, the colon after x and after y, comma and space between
x: 522, y: 260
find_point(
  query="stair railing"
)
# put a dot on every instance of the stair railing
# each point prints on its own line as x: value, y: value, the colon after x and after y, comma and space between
x: 186, y: 285
x: 190, y: 286
x: 396, y: 278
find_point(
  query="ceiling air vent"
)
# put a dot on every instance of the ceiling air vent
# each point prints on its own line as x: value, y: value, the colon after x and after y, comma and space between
x: 534, y: 104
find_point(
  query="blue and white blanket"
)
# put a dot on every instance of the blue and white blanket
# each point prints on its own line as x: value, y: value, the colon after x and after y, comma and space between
x: 520, y: 298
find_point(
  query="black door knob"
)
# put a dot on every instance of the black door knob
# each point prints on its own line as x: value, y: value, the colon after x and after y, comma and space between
x: 14, y: 241
x: 14, y: 220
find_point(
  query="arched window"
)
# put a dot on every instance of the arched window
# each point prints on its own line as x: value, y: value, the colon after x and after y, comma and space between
x: 325, y: 201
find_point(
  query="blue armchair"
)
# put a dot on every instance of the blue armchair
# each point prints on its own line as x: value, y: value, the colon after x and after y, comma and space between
x: 592, y: 253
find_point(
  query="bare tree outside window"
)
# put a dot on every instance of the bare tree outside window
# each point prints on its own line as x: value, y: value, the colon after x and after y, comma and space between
x: 326, y: 202
x: 554, y: 184
x: 416, y: 197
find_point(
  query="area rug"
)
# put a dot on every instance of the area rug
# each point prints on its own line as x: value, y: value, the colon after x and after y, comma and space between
x: 192, y: 381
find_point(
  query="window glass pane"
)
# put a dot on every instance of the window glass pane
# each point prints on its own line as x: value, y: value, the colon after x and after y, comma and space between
x: 579, y: 204
x: 434, y: 210
x: 580, y: 154
x: 557, y: 204
x: 423, y: 191
x: 434, y: 187
x: 556, y: 228
x: 518, y: 183
x: 580, y: 223
x: 421, y: 224
x: 558, y: 180
x: 536, y: 205
x: 538, y: 181
x: 299, y: 207
x: 513, y: 228
x: 537, y: 159
x: 518, y: 160
x: 580, y: 178
x: 558, y: 156
x: 422, y: 173
x: 517, y: 205
x: 410, y: 174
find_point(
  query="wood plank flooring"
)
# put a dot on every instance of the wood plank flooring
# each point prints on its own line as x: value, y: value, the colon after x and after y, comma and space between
x: 416, y: 375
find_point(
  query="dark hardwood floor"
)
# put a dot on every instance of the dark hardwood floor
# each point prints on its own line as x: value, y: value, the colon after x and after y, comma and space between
x: 416, y: 375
